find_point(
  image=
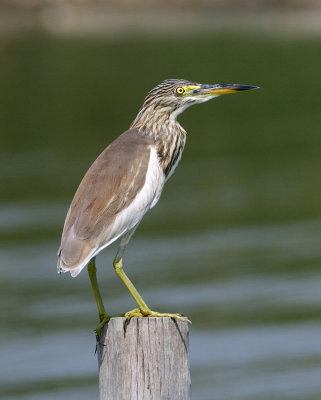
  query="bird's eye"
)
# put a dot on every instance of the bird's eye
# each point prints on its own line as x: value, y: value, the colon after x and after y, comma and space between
x: 180, y: 90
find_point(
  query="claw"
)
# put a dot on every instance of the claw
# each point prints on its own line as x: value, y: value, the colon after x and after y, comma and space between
x: 133, y: 313
x: 104, y: 319
x: 149, y: 313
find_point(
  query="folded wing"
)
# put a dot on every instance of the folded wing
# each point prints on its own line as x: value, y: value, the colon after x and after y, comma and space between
x: 110, y: 185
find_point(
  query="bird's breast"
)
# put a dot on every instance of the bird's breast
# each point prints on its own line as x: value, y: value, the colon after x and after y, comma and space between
x: 169, y: 150
x: 154, y: 182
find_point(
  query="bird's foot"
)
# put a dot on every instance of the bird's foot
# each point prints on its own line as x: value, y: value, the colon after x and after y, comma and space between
x: 104, y: 318
x: 149, y: 313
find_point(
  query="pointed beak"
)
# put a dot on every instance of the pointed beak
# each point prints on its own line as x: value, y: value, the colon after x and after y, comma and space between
x: 216, y: 90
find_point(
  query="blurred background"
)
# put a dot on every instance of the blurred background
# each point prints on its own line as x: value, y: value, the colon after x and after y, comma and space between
x: 234, y: 242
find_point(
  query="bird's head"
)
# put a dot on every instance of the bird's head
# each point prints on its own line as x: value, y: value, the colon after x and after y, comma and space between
x: 178, y: 94
x: 171, y: 97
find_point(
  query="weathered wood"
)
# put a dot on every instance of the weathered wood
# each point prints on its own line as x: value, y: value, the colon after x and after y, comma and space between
x: 145, y: 359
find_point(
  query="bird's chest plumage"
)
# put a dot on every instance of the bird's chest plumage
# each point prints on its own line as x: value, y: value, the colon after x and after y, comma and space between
x: 169, y: 150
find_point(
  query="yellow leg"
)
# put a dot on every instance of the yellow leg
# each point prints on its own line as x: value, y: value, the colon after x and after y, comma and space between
x: 143, y: 310
x: 103, y: 316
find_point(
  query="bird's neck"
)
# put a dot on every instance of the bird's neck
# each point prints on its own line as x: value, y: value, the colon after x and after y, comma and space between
x: 160, y: 124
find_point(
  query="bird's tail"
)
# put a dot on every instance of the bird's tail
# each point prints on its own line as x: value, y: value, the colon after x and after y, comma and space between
x: 73, y: 257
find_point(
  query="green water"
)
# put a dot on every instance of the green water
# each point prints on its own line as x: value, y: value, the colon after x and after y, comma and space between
x: 234, y: 242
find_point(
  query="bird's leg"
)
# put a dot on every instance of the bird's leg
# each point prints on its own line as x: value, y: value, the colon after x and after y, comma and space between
x: 143, y: 310
x: 103, y: 316
x: 118, y: 265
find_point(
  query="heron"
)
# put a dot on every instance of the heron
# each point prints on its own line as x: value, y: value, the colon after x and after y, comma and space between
x: 125, y: 181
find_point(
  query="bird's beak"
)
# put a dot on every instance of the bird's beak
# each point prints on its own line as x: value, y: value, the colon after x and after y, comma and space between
x: 216, y: 90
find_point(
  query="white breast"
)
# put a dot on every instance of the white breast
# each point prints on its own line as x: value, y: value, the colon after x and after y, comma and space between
x: 150, y: 193
x: 146, y: 198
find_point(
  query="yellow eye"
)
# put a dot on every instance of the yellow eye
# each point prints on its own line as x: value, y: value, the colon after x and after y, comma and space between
x: 180, y: 90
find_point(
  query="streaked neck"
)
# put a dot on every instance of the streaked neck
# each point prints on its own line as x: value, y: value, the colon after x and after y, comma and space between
x: 160, y: 124
x: 155, y: 120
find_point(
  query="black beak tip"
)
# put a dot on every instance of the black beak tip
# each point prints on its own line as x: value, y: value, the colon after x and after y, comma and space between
x: 246, y: 87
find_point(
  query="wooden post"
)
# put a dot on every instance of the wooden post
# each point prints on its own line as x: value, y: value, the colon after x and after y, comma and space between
x: 145, y: 359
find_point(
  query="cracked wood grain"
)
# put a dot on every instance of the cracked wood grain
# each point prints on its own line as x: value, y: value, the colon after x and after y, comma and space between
x: 145, y: 359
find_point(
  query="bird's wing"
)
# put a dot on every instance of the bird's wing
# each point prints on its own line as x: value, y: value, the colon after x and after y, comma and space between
x: 109, y: 186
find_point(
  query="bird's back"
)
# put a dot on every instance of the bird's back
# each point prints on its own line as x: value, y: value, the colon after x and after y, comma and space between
x: 109, y: 187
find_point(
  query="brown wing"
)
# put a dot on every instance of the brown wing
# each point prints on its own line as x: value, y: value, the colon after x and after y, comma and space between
x: 109, y: 186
